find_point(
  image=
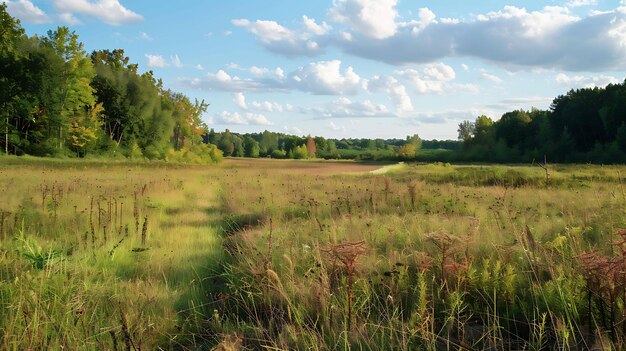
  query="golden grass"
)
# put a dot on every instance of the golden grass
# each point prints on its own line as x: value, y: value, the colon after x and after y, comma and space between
x: 417, y: 257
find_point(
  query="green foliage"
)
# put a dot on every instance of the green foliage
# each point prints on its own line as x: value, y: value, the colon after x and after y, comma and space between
x: 57, y: 100
x: 251, y: 147
x: 300, y: 152
x: 585, y: 125
x: 408, y: 151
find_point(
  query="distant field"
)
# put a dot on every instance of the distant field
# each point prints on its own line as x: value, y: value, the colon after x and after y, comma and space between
x: 302, y: 167
x: 301, y: 255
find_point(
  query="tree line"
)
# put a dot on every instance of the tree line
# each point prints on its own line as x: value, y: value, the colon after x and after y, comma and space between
x: 585, y: 125
x: 56, y: 99
x: 284, y: 146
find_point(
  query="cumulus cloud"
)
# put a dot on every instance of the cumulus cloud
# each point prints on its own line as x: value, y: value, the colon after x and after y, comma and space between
x: 69, y: 19
x: 431, y: 79
x: 26, y: 11
x: 247, y: 118
x: 513, y: 37
x: 326, y: 78
x: 395, y: 89
x: 240, y: 100
x: 109, y: 11
x: 267, y: 106
x: 374, y: 19
x: 293, y: 130
x: 222, y: 81
x: 277, y: 73
x: 260, y: 106
x: 344, y: 108
x: 579, y: 3
x: 319, y: 78
x: 580, y: 81
x: 156, y: 61
x: 315, y: 29
x: 283, y: 40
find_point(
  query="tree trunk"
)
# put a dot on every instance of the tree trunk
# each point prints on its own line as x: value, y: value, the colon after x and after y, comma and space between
x: 6, y: 137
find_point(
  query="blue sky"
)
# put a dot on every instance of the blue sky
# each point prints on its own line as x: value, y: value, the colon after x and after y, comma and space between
x: 354, y: 68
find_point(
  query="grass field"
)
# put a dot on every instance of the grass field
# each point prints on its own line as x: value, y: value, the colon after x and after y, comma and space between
x: 281, y: 255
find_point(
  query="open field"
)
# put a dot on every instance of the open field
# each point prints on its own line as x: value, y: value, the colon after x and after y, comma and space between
x: 285, y: 255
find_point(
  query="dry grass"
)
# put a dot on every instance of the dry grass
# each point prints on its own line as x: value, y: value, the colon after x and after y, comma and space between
x: 308, y: 255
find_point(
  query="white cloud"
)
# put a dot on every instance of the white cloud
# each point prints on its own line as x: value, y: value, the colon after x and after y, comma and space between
x: 277, y: 73
x: 515, y: 38
x: 267, y: 106
x: 176, y: 62
x: 156, y: 61
x: 345, y: 108
x: 26, y: 11
x: 222, y: 81
x: 396, y: 91
x: 144, y: 36
x: 425, y: 18
x: 263, y: 106
x: 108, y: 11
x: 293, y: 130
x: 491, y: 77
x: 246, y: 118
x: 447, y: 116
x: 283, y: 40
x: 69, y: 19
x: 372, y: 18
x: 240, y: 100
x: 330, y: 78
x: 326, y: 78
x: 524, y: 103
x: 579, y: 3
x: 336, y: 128
x: 465, y: 67
x: 580, y: 81
x: 431, y: 79
x: 199, y: 67
x: 314, y: 28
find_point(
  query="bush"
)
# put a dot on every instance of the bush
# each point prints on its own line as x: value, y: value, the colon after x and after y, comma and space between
x: 196, y: 154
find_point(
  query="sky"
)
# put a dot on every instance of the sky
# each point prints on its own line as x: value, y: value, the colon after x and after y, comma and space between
x: 354, y: 68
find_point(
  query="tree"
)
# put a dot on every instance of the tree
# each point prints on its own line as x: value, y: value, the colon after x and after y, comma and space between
x: 407, y: 151
x: 11, y: 34
x: 300, y: 152
x: 415, y: 140
x: 74, y: 95
x: 310, y: 146
x: 466, y: 131
x: 251, y: 147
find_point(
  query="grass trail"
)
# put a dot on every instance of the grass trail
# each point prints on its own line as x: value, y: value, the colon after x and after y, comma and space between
x: 190, y: 255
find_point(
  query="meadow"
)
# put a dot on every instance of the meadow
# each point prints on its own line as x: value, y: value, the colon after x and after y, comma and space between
x: 306, y: 255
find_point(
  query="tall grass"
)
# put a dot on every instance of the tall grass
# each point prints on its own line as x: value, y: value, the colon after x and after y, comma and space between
x: 477, y: 258
x: 419, y: 257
